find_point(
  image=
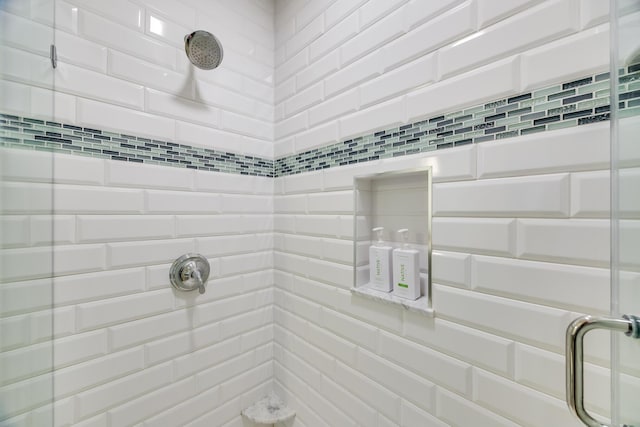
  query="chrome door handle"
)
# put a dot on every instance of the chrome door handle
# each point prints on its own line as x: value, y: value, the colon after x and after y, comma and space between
x: 576, y: 331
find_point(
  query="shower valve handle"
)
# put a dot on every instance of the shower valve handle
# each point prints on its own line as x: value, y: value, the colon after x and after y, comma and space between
x: 190, y: 272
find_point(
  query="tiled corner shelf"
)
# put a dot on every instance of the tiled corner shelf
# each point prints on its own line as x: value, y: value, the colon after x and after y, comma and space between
x: 268, y: 411
x: 393, y: 200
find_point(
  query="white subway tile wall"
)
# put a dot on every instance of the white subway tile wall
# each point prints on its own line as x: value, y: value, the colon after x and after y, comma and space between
x: 520, y: 234
x: 127, y: 347
x: 122, y: 67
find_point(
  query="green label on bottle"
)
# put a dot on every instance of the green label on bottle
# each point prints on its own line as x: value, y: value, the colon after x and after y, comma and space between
x: 402, y: 285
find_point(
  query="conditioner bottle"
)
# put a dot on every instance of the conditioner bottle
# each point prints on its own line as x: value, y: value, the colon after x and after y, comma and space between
x: 406, y: 269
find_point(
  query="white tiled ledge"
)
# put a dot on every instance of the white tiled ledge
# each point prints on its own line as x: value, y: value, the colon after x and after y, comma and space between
x: 268, y: 411
x: 421, y: 305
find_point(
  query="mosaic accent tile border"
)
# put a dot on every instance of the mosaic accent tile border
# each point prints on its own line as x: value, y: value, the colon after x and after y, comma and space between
x: 574, y: 103
x: 38, y: 135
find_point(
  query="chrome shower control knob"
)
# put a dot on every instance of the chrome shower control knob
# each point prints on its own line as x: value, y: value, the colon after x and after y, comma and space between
x: 187, y: 271
x: 190, y: 272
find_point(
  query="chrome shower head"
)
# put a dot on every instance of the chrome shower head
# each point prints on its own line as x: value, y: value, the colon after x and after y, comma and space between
x: 203, y: 49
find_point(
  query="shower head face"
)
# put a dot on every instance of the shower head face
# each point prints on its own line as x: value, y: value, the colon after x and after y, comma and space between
x: 203, y: 49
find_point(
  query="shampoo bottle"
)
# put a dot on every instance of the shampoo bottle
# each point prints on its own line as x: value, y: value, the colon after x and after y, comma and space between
x: 406, y: 269
x: 380, y: 264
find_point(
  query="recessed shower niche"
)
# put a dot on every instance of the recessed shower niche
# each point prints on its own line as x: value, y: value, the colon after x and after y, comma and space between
x: 393, y: 200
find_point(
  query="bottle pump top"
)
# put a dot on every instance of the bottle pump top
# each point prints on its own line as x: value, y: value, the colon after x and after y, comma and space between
x: 378, y: 231
x: 404, y: 235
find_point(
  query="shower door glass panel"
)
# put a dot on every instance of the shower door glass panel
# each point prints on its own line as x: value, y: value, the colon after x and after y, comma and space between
x: 26, y: 231
x: 625, y: 213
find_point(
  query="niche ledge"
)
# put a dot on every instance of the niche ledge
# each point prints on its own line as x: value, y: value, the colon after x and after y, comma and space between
x: 421, y: 305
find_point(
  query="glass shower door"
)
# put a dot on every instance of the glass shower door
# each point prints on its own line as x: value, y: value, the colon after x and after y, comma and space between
x: 624, y: 318
x: 625, y: 207
x: 26, y: 208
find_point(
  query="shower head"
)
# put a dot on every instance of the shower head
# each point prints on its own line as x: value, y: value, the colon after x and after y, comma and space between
x: 203, y: 49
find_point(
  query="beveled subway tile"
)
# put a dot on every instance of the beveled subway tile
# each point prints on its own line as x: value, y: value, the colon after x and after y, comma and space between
x: 577, y: 102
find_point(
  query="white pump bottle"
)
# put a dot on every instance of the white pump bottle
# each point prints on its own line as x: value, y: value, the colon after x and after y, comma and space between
x: 380, y: 264
x: 406, y: 269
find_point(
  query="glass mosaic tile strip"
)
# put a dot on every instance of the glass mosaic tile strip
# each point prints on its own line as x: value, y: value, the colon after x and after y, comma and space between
x: 573, y: 103
x: 34, y: 134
